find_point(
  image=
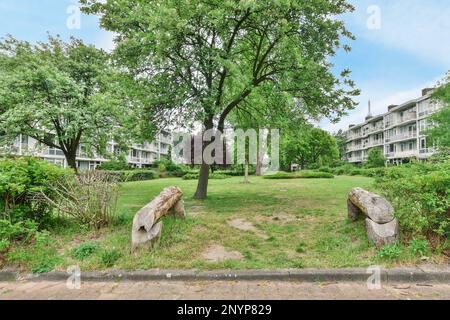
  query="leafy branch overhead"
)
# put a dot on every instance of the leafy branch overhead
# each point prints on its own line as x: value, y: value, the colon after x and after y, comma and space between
x: 205, y: 58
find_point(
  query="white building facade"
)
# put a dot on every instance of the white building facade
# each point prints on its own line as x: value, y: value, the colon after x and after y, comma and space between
x: 399, y: 133
x: 139, y: 155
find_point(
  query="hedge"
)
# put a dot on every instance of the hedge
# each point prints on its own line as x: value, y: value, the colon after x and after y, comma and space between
x: 300, y: 175
x: 194, y: 176
x: 133, y: 175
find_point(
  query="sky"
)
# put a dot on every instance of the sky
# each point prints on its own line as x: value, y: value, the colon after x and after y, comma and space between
x: 402, y: 46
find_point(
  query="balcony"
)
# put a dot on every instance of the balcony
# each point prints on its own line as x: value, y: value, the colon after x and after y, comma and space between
x: 407, y: 117
x: 354, y: 148
x: 401, y: 154
x: 402, y: 136
x: 355, y: 159
x: 427, y: 151
x: 354, y: 136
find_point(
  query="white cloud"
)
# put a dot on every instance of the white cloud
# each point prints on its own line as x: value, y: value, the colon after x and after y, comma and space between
x: 419, y: 27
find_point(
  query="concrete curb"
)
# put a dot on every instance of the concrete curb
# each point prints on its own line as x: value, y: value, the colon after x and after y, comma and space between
x: 441, y: 275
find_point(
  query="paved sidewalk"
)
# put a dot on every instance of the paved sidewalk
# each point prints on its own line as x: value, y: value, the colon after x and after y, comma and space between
x: 233, y: 290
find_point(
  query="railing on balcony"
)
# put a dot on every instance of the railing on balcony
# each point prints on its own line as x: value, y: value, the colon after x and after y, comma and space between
x: 407, y: 117
x: 405, y: 154
x: 402, y: 136
x: 353, y: 148
x: 427, y: 150
x: 355, y: 159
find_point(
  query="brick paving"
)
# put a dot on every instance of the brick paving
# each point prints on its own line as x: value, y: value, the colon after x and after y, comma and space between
x: 232, y: 290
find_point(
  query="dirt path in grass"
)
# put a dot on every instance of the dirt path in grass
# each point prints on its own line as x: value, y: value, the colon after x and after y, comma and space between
x: 233, y: 290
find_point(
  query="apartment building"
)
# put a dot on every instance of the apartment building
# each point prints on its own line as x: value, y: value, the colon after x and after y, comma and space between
x: 399, y: 133
x: 139, y: 155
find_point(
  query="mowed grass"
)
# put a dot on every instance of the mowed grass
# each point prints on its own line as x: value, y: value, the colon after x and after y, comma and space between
x: 300, y: 223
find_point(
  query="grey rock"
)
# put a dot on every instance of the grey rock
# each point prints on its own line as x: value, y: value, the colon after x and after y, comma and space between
x: 381, y: 234
x: 372, y: 205
x: 353, y: 211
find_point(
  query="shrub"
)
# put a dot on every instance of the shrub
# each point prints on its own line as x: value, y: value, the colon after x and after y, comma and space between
x: 390, y: 251
x: 21, y: 180
x: 110, y: 257
x: 420, y: 196
x: 115, y: 165
x: 85, y: 250
x: 194, y: 176
x: 90, y: 198
x: 316, y: 175
x: 343, y: 170
x: 299, y: 175
x: 419, y: 247
x: 325, y: 169
x: 133, y: 175
x: 24, y: 231
x: 355, y: 172
x: 375, y: 158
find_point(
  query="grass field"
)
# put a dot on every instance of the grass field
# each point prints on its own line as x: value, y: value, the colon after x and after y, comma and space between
x: 299, y: 223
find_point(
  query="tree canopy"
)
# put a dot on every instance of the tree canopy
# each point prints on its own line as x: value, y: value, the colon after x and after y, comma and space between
x: 307, y: 145
x: 439, y: 133
x: 201, y: 60
x: 62, y: 94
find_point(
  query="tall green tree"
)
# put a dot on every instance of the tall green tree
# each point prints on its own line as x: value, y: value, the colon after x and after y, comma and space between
x: 306, y: 145
x: 62, y: 94
x: 439, y: 133
x: 203, y: 59
x: 341, y: 140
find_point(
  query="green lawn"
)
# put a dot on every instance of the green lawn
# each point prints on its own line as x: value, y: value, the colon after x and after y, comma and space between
x: 300, y: 223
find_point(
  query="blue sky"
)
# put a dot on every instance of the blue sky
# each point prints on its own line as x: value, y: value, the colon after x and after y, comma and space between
x: 390, y: 64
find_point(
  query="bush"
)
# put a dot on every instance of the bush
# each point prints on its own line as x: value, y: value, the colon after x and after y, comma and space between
x: 115, y: 165
x: 375, y: 158
x: 90, y: 198
x: 194, y: 176
x: 85, y: 250
x: 300, y: 175
x: 133, y: 175
x: 343, y: 170
x: 356, y: 172
x: 419, y: 247
x: 23, y: 231
x: 390, y: 251
x: 110, y: 257
x: 420, y: 194
x: 21, y: 181
x: 325, y: 169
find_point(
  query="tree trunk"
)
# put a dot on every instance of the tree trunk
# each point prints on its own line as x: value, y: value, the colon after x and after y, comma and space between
x: 259, y: 164
x: 246, y: 172
x: 71, y: 160
x: 202, y: 186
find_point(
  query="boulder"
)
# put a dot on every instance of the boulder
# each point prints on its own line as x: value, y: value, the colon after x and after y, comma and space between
x: 381, y: 234
x: 372, y: 205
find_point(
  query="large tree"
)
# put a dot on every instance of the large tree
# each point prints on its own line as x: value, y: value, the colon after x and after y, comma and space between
x: 62, y: 94
x: 203, y: 59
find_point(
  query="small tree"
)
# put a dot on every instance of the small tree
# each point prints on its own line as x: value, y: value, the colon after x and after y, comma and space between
x: 61, y: 94
x: 376, y: 158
